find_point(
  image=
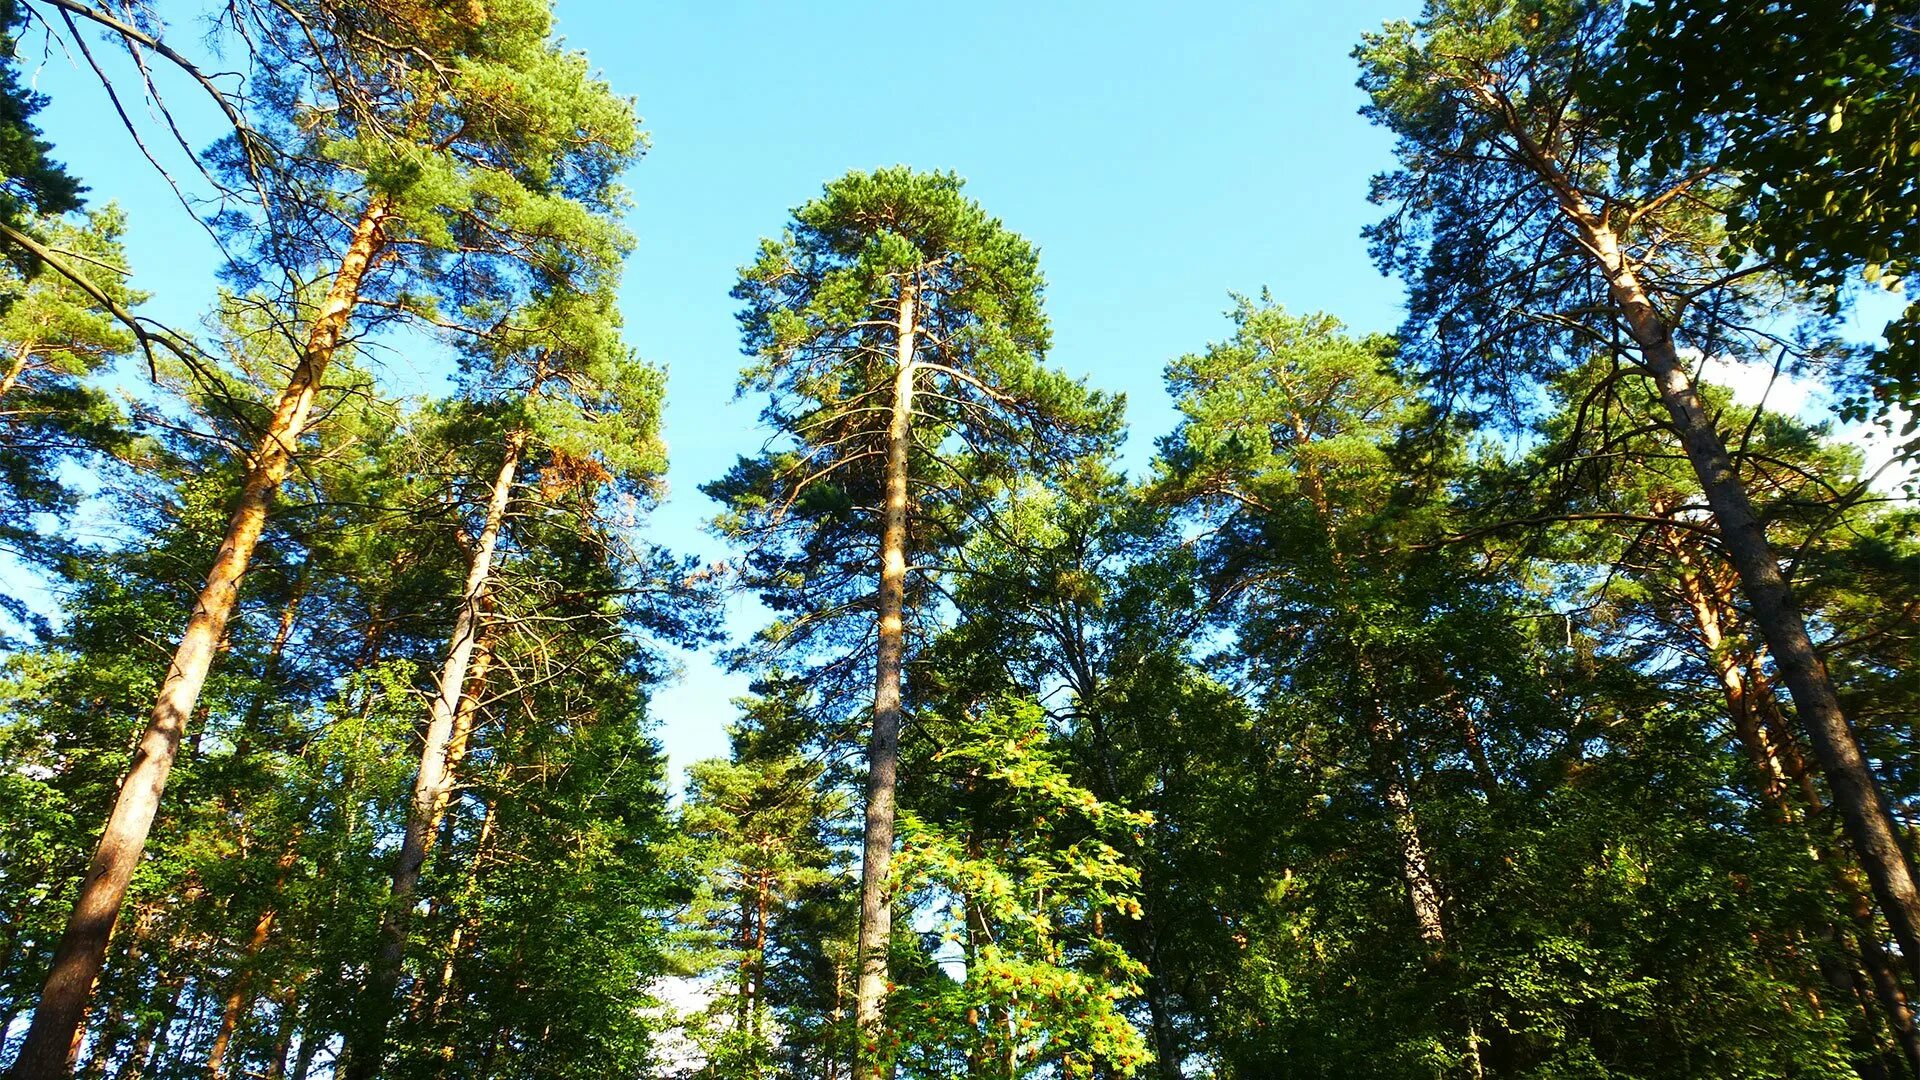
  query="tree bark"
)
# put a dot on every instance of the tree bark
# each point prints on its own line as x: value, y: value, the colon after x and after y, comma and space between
x: 1749, y: 708
x: 883, y: 748
x: 1864, y: 812
x: 15, y: 368
x: 1703, y: 603
x: 1476, y: 745
x: 82, y: 948
x: 434, y: 781
x: 1423, y: 893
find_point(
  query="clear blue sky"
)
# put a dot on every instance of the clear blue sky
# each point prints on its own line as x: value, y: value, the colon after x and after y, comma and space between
x: 1160, y: 155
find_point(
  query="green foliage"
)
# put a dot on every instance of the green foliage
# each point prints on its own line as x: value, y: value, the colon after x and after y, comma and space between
x: 1347, y: 741
x: 54, y: 340
x: 1017, y: 872
x: 820, y: 318
x: 1817, y: 123
x: 32, y: 185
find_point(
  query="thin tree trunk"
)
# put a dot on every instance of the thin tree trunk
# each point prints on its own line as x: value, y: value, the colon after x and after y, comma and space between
x: 240, y: 997
x: 1704, y: 604
x: 83, y: 947
x: 1775, y: 613
x: 433, y: 783
x: 1880, y: 969
x: 1423, y: 894
x: 284, y: 1031
x: 473, y: 691
x: 448, y: 968
x: 15, y: 367
x: 154, y: 1034
x: 1385, y: 744
x: 310, y: 1044
x: 270, y: 674
x: 1749, y: 701
x: 1476, y: 743
x: 883, y: 750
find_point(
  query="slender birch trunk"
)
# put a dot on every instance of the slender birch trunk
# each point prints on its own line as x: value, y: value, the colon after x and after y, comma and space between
x: 433, y: 783
x: 83, y: 947
x: 883, y: 749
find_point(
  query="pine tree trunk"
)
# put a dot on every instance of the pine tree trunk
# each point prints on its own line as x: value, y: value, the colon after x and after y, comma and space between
x: 1749, y: 701
x: 1416, y: 869
x: 468, y: 714
x: 1385, y: 746
x: 82, y: 949
x: 15, y: 367
x: 883, y: 749
x: 240, y: 997
x: 1476, y: 744
x: 1775, y: 613
x: 434, y: 781
x: 1741, y: 711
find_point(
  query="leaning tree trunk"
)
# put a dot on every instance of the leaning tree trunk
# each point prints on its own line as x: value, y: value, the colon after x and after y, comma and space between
x: 16, y: 366
x: 1868, y: 821
x: 1748, y: 702
x: 434, y: 781
x: 883, y: 749
x: 82, y: 949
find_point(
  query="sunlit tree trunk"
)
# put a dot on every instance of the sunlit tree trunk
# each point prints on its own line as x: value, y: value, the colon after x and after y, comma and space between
x: 82, y: 949
x: 1749, y: 704
x: 434, y: 781
x: 16, y: 366
x: 1775, y: 613
x: 883, y: 748
x: 1416, y: 867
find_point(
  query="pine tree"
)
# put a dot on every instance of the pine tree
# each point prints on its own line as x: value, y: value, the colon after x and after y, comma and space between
x: 1530, y: 242
x: 899, y: 337
x: 54, y: 337
x: 458, y: 146
x: 566, y: 399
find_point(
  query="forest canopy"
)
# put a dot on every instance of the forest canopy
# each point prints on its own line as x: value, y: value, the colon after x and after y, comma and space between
x: 1527, y: 689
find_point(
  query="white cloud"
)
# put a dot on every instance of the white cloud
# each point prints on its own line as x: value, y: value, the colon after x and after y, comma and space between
x: 1756, y: 384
